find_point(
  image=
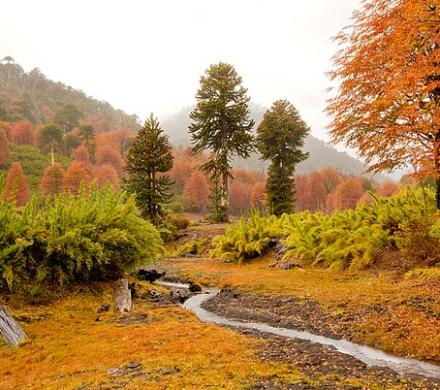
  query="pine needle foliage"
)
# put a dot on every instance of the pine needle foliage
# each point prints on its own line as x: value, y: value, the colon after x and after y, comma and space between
x: 346, y: 239
x: 56, y: 242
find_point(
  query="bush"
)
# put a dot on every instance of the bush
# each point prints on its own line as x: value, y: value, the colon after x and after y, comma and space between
x: 179, y: 222
x: 345, y: 239
x: 72, y: 238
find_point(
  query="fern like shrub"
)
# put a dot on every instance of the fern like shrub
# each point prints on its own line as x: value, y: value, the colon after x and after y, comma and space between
x: 250, y: 237
x: 73, y: 238
x: 345, y: 239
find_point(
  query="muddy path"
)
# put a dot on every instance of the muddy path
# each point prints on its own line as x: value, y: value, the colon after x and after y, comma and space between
x: 288, y: 339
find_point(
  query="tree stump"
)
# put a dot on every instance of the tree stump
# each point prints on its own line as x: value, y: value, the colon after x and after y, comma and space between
x: 122, y: 296
x: 9, y: 329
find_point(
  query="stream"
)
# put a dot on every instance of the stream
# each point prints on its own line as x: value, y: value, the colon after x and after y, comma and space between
x: 367, y: 355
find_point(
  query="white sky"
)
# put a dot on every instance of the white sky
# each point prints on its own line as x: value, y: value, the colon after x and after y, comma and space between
x: 147, y: 56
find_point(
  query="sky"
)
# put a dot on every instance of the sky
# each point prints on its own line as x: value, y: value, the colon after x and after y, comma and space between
x: 147, y: 56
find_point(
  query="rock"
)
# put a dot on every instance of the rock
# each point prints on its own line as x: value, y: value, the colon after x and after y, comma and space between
x: 133, y: 364
x: 194, y: 287
x: 149, y: 275
x: 122, y: 296
x: 286, y: 266
x: 105, y: 307
x: 115, y: 371
x: 280, y: 249
x: 187, y: 255
x: 179, y: 295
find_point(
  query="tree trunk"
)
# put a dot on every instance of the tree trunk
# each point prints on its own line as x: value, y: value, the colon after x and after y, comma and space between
x: 122, y: 296
x: 9, y: 329
x: 225, y: 196
x: 437, y: 192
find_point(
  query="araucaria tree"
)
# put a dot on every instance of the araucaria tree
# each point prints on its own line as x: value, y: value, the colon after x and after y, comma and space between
x: 148, y: 161
x: 280, y: 137
x: 388, y: 72
x: 221, y: 125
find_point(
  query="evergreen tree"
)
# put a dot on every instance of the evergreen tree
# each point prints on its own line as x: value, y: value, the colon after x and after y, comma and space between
x: 87, y: 134
x: 51, y: 138
x: 148, y: 161
x: 280, y: 136
x: 221, y: 124
x: 68, y: 117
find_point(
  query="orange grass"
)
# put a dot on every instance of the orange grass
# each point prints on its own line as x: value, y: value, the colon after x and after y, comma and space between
x: 409, y: 325
x: 177, y: 351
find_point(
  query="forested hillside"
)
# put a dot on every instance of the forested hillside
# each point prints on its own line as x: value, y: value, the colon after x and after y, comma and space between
x: 32, y: 96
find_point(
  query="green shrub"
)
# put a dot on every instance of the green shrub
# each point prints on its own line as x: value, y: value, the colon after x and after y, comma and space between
x: 194, y: 247
x: 73, y: 238
x: 179, y: 222
x: 345, y: 239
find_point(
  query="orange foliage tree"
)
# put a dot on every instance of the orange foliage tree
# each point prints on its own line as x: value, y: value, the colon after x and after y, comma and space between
x: 106, y: 174
x: 388, y: 102
x: 107, y: 155
x: 331, y: 178
x: 75, y: 176
x: 52, y: 181
x: 196, y: 191
x: 16, y: 187
x: 257, y: 195
x: 316, y: 192
x: 347, y: 194
x: 23, y: 132
x: 81, y: 155
x: 4, y: 148
x: 388, y: 188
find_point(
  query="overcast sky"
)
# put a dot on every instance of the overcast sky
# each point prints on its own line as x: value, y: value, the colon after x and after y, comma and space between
x: 147, y: 56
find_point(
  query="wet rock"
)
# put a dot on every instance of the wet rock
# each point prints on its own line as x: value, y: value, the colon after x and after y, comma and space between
x: 179, y: 295
x: 187, y: 255
x: 149, y: 275
x: 133, y: 364
x: 194, y: 287
x: 287, y: 266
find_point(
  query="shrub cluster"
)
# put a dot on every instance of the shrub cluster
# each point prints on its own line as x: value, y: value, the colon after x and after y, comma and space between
x: 70, y: 238
x: 345, y: 239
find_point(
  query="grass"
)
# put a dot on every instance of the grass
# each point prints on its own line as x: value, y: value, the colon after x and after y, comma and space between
x: 70, y: 349
x: 397, y: 314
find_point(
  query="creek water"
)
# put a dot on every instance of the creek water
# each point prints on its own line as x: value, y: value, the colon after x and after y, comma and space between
x: 370, y: 356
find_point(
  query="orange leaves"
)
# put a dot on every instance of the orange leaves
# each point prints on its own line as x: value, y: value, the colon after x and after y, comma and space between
x: 23, y: 133
x: 52, y: 181
x: 196, y: 192
x: 388, y: 103
x: 16, y: 187
x: 75, y: 177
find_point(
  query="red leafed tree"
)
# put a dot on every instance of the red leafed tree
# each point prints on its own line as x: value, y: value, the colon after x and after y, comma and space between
x: 81, y: 155
x: 388, y: 188
x: 52, y: 182
x: 16, y: 187
x: 316, y: 193
x: 7, y: 128
x: 239, y: 197
x: 348, y: 193
x: 365, y: 199
x: 181, y: 171
x: 301, y: 199
x: 257, y: 195
x: 331, y: 178
x: 23, y: 132
x: 196, y: 191
x: 4, y: 148
x: 75, y: 177
x: 388, y: 102
x: 106, y: 174
x: 107, y: 155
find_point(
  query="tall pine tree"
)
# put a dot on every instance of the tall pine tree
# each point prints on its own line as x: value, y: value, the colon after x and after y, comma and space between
x: 280, y: 137
x: 221, y: 124
x: 148, y: 161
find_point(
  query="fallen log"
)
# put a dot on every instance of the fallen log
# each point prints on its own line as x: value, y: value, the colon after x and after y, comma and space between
x: 9, y: 329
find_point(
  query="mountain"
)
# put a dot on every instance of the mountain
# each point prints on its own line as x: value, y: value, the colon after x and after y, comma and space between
x: 321, y: 154
x: 34, y: 97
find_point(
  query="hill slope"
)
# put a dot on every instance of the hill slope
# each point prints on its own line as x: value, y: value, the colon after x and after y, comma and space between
x: 34, y: 97
x: 321, y: 154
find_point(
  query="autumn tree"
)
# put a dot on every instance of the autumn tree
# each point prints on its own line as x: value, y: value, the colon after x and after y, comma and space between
x: 388, y: 100
x: 106, y: 174
x: 388, y: 188
x: 280, y: 137
x: 148, y: 162
x: 16, y: 187
x: 4, y: 148
x: 81, y: 155
x: 347, y: 194
x: 76, y: 177
x: 257, y: 195
x: 316, y: 192
x: 68, y: 117
x: 221, y: 125
x: 196, y: 191
x: 107, y: 155
x: 52, y: 181
x: 23, y: 132
x: 331, y: 178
